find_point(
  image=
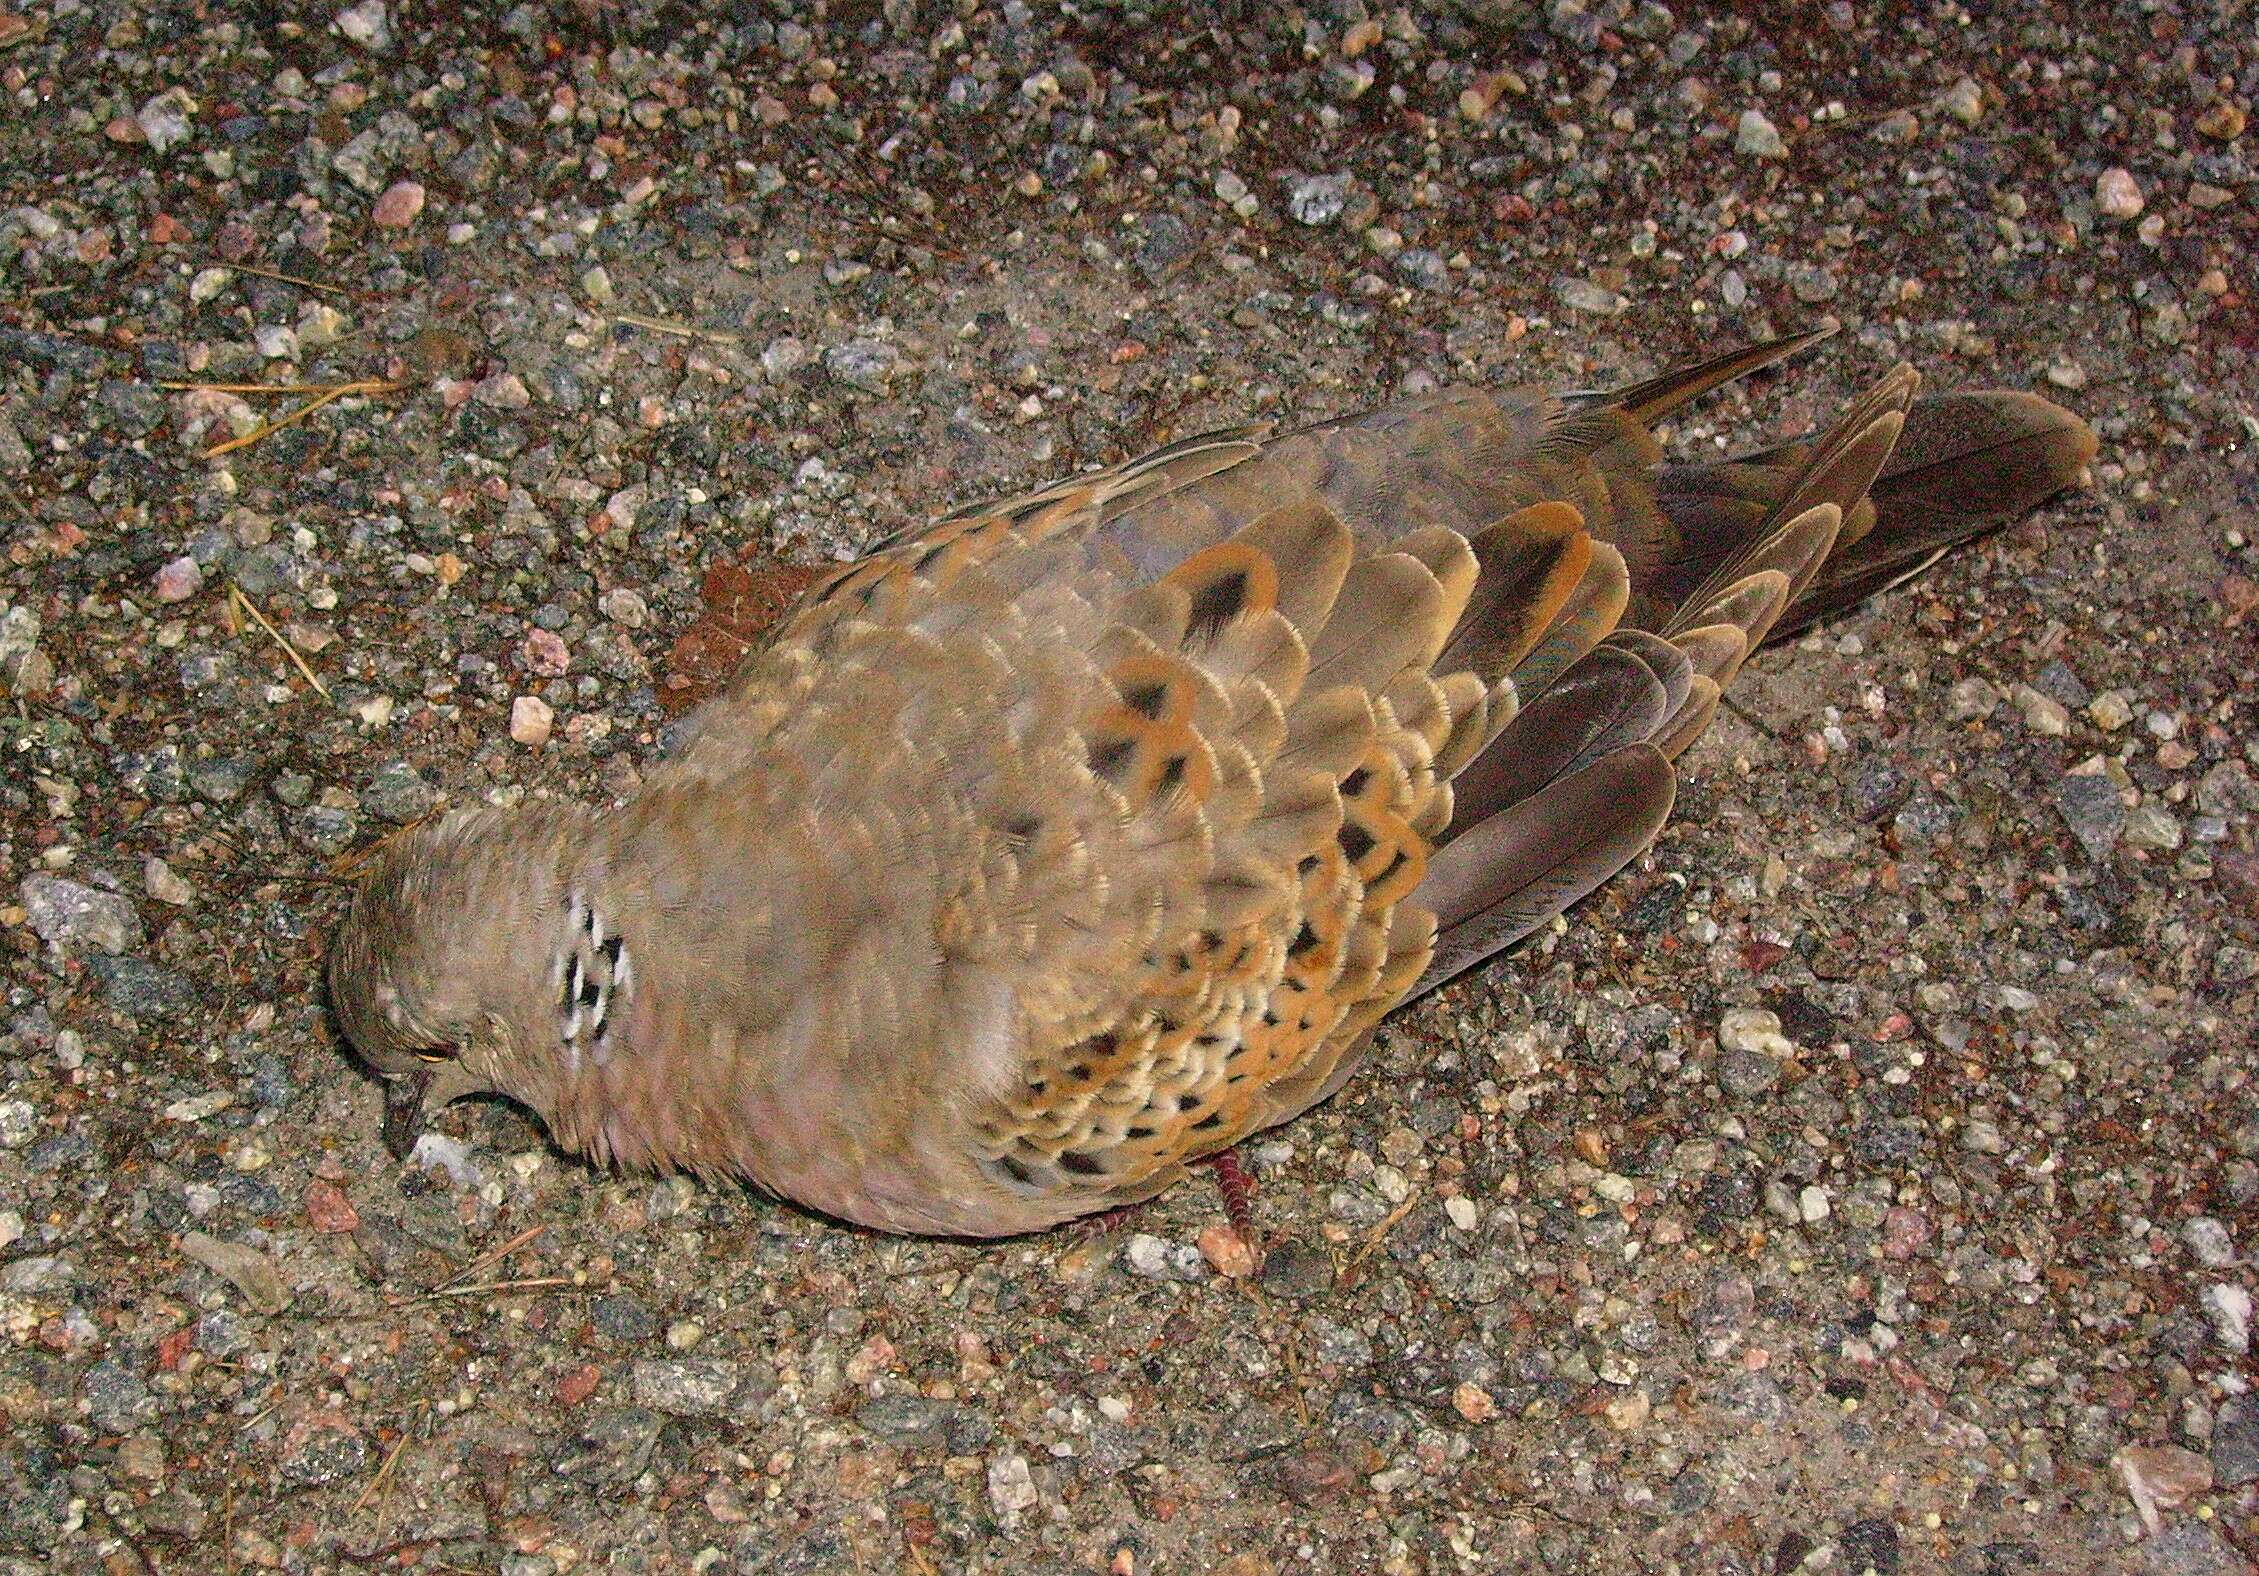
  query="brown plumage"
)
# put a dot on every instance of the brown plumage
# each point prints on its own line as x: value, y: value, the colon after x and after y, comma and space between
x: 1070, y: 840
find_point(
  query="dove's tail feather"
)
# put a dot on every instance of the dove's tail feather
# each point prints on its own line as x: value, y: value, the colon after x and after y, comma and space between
x: 1966, y: 464
x: 1575, y: 781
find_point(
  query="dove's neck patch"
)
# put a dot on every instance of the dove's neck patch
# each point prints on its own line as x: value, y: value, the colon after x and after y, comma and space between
x: 592, y: 977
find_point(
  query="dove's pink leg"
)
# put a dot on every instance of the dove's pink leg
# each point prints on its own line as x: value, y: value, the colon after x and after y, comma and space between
x: 1232, y: 1181
x: 1238, y: 1189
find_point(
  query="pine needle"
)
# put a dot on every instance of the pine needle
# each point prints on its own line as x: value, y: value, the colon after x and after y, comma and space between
x: 481, y: 1288
x: 490, y: 1259
x: 381, y: 1484
x: 328, y: 395
x: 237, y: 599
x: 288, y: 279
x: 660, y: 325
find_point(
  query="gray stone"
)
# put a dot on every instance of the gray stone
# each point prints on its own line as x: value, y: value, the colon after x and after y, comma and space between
x: 223, y: 779
x: 72, y: 917
x: 1168, y: 242
x: 867, y: 364
x: 612, y: 1449
x: 623, y: 1318
x: 1155, y: 1258
x: 117, y: 1397
x: 1746, y: 1074
x: 685, y: 1388
x: 1582, y: 295
x: 398, y: 793
x: 141, y: 989
x: 2235, y: 1442
x: 136, y: 409
x: 1757, y: 138
x: 36, y: 1488
x: 2090, y: 807
x: 1423, y: 268
x: 1318, y: 199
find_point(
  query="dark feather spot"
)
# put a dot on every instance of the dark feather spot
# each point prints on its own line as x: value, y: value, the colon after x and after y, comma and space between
x: 1013, y: 1169
x: 1354, y: 783
x: 588, y: 920
x: 1109, y: 756
x: 1304, y: 940
x: 1080, y: 1164
x: 1147, y: 700
x: 1139, y: 1131
x: 1188, y: 1102
x: 613, y: 947
x: 1356, y: 842
x: 929, y: 557
x: 1172, y: 775
x: 1213, y: 1119
x: 1023, y: 827
x: 590, y: 993
x: 572, y: 989
x: 1306, y: 864
x: 1080, y: 1072
x: 1216, y: 604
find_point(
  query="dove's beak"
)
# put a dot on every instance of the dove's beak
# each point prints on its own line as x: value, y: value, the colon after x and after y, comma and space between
x: 404, y: 1110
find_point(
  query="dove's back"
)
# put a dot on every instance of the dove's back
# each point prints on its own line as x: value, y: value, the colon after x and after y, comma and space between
x: 1131, y: 806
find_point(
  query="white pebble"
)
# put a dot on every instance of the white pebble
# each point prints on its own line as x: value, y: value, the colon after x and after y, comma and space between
x: 1755, y: 1030
x: 2228, y: 1306
x: 2209, y: 1241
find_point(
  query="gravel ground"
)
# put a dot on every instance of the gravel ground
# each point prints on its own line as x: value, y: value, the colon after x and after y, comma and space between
x: 1939, y: 1267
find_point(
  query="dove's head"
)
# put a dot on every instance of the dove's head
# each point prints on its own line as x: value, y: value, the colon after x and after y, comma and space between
x: 442, y: 975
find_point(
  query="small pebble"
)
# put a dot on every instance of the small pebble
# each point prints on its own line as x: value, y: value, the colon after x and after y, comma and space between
x: 2209, y: 1241
x: 1756, y: 137
x: 2118, y: 195
x: 398, y: 207
x: 1474, y: 1403
x: 531, y: 719
x: 178, y: 580
x: 1756, y: 1031
x: 1972, y: 700
x: 1155, y: 1258
x: 1011, y: 1487
x: 2043, y: 714
x: 1964, y: 101
x: 2228, y: 1306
